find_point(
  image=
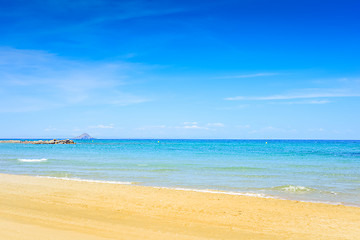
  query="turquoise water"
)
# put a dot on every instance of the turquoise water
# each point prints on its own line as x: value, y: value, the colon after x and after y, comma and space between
x: 306, y: 170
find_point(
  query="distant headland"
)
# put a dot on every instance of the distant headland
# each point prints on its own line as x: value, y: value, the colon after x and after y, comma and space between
x: 84, y: 136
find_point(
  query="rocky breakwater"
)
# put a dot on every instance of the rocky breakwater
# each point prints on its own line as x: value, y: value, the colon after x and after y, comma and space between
x: 54, y: 141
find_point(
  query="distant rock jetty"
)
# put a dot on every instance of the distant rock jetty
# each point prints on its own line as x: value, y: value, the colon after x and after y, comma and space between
x: 54, y: 141
x: 84, y: 136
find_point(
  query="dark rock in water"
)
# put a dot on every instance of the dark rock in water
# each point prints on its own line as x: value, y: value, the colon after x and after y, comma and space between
x: 84, y: 136
x: 54, y: 141
x: 10, y: 141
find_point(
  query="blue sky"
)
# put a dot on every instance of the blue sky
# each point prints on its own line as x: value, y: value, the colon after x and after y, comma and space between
x: 180, y: 69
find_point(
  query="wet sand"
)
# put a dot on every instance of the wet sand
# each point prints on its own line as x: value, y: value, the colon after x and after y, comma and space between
x: 44, y: 208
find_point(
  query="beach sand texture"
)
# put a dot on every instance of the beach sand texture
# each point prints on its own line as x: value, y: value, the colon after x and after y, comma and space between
x: 45, y: 208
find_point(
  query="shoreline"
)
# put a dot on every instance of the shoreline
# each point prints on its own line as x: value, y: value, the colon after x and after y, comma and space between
x: 58, y: 209
x: 210, y: 191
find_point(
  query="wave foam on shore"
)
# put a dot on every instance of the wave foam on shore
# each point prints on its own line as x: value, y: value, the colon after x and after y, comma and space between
x: 32, y: 160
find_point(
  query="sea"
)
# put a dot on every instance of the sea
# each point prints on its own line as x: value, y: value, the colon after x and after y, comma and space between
x: 325, y: 171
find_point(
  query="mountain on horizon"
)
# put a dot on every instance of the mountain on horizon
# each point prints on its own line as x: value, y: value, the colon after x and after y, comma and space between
x: 84, y: 136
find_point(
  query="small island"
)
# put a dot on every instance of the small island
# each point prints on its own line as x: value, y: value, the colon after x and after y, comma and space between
x: 54, y: 141
x: 84, y: 136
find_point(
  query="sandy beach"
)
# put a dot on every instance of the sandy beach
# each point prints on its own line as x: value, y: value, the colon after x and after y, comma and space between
x: 44, y: 208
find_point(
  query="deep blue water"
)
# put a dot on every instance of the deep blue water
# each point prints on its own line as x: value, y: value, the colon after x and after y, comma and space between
x: 309, y: 170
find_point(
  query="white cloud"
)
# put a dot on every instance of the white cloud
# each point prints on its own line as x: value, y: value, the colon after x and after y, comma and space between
x: 309, y: 102
x: 303, y: 94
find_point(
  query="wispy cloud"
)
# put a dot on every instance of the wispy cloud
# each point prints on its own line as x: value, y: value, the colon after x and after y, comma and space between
x: 246, y: 76
x: 97, y: 13
x: 32, y: 80
x: 302, y: 94
x: 305, y: 102
x: 136, y: 12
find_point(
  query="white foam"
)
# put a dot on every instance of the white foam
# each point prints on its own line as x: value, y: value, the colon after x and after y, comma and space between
x: 32, y: 160
x: 88, y: 180
x: 291, y: 188
x: 220, y: 192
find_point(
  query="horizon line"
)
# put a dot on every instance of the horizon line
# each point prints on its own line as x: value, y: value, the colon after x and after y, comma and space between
x: 264, y: 139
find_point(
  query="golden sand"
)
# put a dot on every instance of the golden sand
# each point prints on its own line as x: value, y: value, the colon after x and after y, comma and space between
x: 44, y: 208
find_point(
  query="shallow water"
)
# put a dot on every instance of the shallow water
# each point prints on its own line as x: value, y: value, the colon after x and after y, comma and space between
x: 307, y: 170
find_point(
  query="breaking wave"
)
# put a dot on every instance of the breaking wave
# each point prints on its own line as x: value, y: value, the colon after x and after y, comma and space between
x: 293, y: 188
x: 32, y: 160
